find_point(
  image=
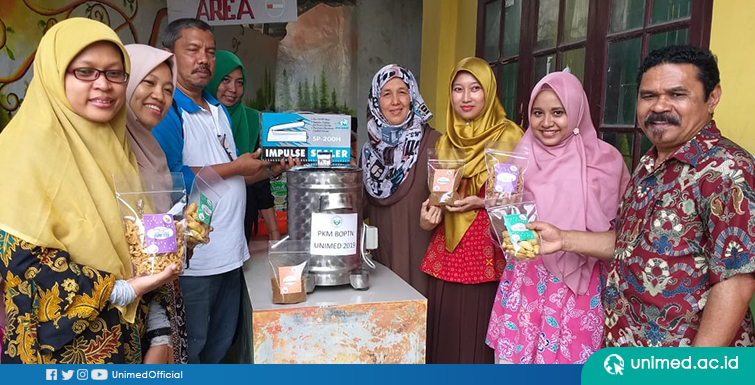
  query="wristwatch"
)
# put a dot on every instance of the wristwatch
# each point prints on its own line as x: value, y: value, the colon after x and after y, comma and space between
x: 270, y: 173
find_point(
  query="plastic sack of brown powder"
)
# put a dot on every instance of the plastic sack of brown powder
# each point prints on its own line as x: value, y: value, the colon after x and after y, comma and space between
x: 445, y: 170
x: 289, y: 266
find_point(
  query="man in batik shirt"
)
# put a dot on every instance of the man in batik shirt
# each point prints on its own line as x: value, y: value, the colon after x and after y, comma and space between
x: 681, y: 266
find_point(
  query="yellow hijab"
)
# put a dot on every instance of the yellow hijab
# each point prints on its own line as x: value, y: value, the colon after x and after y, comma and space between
x: 56, y: 168
x: 490, y: 126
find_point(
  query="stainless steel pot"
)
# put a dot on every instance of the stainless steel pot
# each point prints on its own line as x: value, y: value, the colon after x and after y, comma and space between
x: 332, y: 190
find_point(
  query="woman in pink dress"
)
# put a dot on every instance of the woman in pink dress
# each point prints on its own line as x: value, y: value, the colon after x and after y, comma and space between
x: 548, y: 310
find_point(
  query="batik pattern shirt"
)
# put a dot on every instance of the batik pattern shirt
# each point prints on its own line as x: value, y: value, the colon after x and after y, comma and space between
x: 682, y: 228
x: 58, y: 311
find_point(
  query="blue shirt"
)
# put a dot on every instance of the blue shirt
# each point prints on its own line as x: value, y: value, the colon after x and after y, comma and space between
x: 170, y: 132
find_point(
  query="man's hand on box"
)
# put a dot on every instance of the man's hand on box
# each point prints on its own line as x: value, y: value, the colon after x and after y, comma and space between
x: 284, y: 165
x: 249, y: 164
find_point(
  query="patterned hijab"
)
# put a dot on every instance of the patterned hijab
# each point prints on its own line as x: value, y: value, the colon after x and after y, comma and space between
x: 245, y: 121
x: 56, y: 167
x: 470, y: 137
x: 578, y: 183
x: 391, y: 150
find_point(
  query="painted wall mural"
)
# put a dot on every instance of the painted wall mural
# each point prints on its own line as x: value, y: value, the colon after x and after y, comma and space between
x: 311, y: 68
x: 23, y: 22
x: 310, y: 64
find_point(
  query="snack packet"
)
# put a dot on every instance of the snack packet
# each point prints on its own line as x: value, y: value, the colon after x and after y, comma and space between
x: 508, y: 222
x: 153, y: 221
x: 445, y: 170
x: 289, y: 263
x: 206, y: 191
x: 506, y: 170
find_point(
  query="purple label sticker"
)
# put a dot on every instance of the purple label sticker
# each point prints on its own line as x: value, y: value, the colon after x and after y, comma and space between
x: 160, y: 231
x: 506, y: 177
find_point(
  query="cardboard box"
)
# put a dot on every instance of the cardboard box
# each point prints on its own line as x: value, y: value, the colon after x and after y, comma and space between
x: 304, y: 135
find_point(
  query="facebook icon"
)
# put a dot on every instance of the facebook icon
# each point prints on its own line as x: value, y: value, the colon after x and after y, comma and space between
x: 52, y: 374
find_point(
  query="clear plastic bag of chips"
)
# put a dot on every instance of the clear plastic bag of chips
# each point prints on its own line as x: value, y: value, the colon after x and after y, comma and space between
x: 206, y: 191
x: 508, y: 221
x: 506, y: 169
x: 153, y: 221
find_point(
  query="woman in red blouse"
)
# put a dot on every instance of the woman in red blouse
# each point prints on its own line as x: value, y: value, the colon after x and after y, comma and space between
x: 462, y: 257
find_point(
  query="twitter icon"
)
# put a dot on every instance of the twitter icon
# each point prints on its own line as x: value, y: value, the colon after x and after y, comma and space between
x: 67, y: 374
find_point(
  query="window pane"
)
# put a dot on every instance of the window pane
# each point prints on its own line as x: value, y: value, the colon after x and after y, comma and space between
x: 575, y: 20
x: 624, y: 142
x: 669, y: 10
x: 621, y: 82
x: 575, y: 60
x: 665, y: 39
x: 507, y: 87
x: 627, y: 14
x: 544, y: 65
x: 547, y: 24
x: 492, y: 29
x: 511, y: 25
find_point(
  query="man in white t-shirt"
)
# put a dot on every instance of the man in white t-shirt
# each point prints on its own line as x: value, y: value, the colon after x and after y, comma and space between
x: 197, y: 132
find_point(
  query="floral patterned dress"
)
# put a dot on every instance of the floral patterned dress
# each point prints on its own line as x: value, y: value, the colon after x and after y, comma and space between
x: 2, y: 319
x: 58, y: 311
x: 2, y: 324
x: 537, y: 319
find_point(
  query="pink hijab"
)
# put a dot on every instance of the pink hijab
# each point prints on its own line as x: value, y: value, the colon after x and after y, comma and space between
x: 149, y: 154
x: 578, y: 183
x: 153, y: 166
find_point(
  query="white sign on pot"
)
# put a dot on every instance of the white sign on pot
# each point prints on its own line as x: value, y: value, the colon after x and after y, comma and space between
x: 333, y: 234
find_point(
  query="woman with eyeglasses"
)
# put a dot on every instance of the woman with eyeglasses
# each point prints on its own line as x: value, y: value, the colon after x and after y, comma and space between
x: 70, y: 298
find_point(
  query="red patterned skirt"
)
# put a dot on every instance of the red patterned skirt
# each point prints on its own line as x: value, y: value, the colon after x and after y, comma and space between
x: 476, y: 259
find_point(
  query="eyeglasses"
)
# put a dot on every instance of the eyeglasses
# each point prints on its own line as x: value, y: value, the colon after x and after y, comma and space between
x: 92, y: 74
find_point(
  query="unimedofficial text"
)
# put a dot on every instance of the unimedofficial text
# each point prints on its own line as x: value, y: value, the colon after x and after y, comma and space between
x: 146, y: 374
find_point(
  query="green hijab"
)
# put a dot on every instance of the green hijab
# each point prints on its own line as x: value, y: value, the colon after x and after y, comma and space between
x: 245, y: 121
